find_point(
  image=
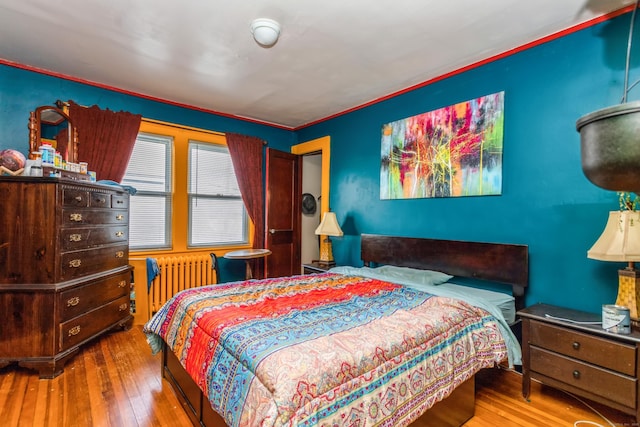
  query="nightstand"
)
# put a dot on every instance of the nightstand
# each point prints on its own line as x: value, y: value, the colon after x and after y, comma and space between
x: 580, y: 358
x: 315, y: 267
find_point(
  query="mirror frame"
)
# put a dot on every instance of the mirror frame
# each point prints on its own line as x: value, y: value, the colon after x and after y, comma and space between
x: 35, y: 132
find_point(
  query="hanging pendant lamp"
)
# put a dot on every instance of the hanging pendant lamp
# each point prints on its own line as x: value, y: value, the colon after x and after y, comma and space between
x: 610, y: 139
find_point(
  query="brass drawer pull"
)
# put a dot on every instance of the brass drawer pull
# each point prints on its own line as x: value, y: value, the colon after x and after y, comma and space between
x: 75, y: 217
x: 576, y: 345
x: 123, y: 307
x: 120, y: 254
x: 78, y: 198
x: 75, y: 237
x: 122, y: 284
x: 102, y: 201
x: 74, y: 331
x: 75, y: 263
x: 576, y: 374
x: 119, y: 233
x: 71, y: 302
x: 119, y: 217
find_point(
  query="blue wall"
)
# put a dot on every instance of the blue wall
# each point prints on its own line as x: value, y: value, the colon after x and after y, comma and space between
x: 21, y: 91
x: 546, y: 202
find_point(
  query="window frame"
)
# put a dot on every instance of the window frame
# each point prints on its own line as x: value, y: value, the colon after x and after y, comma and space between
x: 179, y: 239
x: 191, y: 195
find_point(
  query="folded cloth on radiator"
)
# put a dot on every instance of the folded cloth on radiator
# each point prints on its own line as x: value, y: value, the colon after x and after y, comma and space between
x: 152, y: 271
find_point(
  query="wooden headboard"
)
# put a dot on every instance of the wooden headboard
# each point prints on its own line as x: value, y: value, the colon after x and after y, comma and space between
x: 495, y: 262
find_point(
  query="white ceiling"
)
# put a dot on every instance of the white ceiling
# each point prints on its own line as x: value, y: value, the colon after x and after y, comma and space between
x: 332, y: 56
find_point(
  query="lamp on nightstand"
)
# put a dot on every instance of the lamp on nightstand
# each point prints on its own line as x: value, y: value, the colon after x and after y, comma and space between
x: 620, y: 241
x: 328, y: 227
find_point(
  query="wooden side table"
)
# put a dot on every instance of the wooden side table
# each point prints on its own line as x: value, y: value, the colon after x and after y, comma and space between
x: 314, y: 267
x: 247, y: 255
x: 567, y: 349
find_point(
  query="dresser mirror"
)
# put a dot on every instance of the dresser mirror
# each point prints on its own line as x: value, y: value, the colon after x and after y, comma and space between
x: 52, y: 125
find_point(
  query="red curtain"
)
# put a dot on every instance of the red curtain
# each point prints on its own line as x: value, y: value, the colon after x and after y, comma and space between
x: 105, y: 139
x: 247, y: 154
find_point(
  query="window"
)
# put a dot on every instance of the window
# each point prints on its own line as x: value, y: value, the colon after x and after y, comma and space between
x: 216, y: 212
x: 187, y: 195
x: 149, y: 172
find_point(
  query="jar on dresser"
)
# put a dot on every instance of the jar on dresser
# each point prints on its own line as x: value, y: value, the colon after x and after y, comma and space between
x: 64, y: 273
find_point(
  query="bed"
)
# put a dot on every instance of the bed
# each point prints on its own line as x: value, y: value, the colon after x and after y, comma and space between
x: 404, y: 355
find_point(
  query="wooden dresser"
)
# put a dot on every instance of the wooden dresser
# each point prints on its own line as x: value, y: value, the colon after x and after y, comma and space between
x: 580, y: 358
x: 64, y: 273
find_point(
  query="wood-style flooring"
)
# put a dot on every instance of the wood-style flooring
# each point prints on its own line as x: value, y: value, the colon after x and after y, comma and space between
x: 115, y: 381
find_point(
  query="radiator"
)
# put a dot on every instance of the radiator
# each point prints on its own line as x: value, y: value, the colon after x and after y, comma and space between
x: 178, y: 273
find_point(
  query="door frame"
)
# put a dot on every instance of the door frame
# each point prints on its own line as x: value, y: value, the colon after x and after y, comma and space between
x: 320, y: 145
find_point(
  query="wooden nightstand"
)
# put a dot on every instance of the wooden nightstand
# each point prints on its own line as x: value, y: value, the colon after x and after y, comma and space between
x: 315, y: 267
x: 580, y: 358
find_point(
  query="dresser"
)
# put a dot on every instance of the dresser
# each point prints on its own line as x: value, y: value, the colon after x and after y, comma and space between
x: 580, y: 358
x: 64, y: 273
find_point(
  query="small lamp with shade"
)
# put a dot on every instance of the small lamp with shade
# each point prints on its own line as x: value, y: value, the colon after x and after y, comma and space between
x: 328, y: 227
x: 620, y: 241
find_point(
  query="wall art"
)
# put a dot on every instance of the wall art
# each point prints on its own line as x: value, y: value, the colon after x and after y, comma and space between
x: 450, y: 152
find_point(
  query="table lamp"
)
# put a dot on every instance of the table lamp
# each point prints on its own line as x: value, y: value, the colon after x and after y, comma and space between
x: 328, y: 227
x: 620, y: 241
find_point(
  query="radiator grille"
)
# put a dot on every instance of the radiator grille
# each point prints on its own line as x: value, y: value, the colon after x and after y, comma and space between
x: 178, y: 273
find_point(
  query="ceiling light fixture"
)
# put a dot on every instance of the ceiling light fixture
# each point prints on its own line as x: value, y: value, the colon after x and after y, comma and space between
x: 265, y: 31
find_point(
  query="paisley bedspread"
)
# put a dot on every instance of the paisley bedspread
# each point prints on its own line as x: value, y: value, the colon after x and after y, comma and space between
x: 325, y: 349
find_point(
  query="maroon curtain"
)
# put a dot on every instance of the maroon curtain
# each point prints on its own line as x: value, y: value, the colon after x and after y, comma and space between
x: 105, y: 139
x: 247, y: 153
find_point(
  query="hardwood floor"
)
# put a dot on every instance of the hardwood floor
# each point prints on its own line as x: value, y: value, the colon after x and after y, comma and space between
x: 115, y: 381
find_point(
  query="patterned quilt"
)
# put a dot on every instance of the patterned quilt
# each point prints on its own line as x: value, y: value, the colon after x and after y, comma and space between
x: 325, y: 349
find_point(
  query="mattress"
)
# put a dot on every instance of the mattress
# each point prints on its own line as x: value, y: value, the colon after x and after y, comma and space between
x: 505, y: 302
x: 499, y: 304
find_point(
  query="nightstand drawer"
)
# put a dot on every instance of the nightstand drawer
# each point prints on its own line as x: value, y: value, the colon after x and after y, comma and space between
x: 599, y: 351
x: 616, y: 387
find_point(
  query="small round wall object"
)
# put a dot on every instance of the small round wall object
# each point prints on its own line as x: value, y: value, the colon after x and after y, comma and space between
x: 309, y: 205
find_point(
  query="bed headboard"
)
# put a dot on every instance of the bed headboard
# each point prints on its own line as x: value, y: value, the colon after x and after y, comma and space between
x: 496, y: 262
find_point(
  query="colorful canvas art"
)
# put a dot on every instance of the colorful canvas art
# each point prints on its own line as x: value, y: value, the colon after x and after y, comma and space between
x: 450, y: 152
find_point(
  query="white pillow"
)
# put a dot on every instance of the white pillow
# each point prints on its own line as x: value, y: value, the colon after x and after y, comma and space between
x: 413, y: 275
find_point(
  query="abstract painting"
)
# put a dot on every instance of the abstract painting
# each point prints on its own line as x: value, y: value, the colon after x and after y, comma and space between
x: 450, y: 152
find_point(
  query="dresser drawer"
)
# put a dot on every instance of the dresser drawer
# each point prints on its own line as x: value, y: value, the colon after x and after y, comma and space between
x: 77, y: 301
x: 599, y: 351
x: 77, y: 197
x: 76, y: 330
x: 72, y: 217
x: 100, y: 200
x: 603, y: 382
x: 87, y: 237
x: 80, y: 197
x: 120, y: 201
x: 81, y: 263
